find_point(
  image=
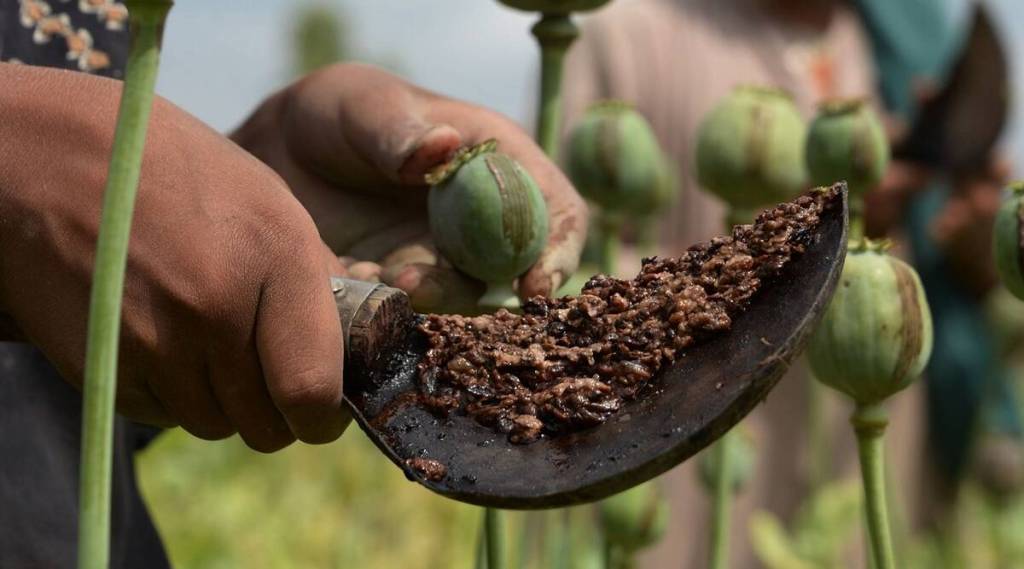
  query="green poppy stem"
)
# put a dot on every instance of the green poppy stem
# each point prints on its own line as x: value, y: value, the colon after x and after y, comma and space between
x: 555, y: 33
x: 722, y: 512
x: 869, y: 422
x: 480, y: 561
x: 856, y: 230
x: 648, y: 241
x: 494, y: 531
x: 147, y: 20
x: 608, y: 228
x: 617, y: 557
x: 817, y: 438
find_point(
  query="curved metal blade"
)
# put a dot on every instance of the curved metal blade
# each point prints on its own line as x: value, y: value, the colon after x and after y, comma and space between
x: 707, y: 391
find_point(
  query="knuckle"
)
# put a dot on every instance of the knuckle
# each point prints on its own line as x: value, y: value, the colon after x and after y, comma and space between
x: 288, y: 234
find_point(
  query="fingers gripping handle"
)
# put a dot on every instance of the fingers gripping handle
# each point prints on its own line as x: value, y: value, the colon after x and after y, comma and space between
x: 372, y: 316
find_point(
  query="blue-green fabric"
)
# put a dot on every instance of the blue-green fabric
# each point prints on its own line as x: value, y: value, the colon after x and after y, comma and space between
x: 912, y: 40
x: 968, y: 387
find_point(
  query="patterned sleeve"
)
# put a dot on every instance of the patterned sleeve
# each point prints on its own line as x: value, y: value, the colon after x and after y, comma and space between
x: 84, y: 35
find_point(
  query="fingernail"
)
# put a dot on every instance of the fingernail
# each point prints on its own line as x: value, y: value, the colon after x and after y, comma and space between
x: 431, y: 149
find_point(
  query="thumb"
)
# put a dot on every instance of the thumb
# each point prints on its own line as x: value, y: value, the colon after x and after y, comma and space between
x: 362, y: 126
x: 421, y: 153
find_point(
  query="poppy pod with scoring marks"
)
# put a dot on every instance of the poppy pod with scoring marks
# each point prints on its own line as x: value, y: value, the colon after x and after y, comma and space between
x: 1006, y: 241
x: 615, y: 160
x: 488, y: 218
x: 876, y: 336
x: 846, y: 141
x: 750, y: 149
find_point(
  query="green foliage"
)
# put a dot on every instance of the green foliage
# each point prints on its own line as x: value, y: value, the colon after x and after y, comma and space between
x: 221, y: 505
x: 823, y: 528
x: 318, y: 38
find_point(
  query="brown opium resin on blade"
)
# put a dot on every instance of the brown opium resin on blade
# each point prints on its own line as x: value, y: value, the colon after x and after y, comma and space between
x: 428, y: 468
x: 570, y: 363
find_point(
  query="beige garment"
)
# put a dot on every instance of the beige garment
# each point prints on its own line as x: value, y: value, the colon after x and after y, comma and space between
x: 674, y: 59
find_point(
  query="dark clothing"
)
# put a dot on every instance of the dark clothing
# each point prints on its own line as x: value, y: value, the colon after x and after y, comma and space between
x: 41, y: 414
x: 40, y: 431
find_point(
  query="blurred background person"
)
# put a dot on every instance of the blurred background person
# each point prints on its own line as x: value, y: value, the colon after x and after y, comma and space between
x: 675, y: 60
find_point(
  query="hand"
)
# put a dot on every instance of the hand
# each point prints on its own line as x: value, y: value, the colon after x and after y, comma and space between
x: 963, y: 229
x: 885, y: 205
x: 228, y: 321
x: 354, y: 144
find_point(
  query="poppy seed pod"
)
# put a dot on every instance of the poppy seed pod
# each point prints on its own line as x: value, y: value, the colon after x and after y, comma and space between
x: 846, y: 141
x: 876, y: 335
x: 636, y: 518
x: 615, y: 160
x: 555, y: 6
x: 750, y: 149
x: 488, y: 218
x: 742, y: 455
x: 1006, y: 241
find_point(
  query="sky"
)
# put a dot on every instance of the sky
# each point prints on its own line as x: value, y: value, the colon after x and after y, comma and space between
x: 221, y: 58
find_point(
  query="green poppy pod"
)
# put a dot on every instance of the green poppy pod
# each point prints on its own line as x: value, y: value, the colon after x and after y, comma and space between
x: 636, y: 518
x: 750, y: 149
x: 555, y: 6
x: 615, y: 160
x: 876, y: 335
x: 1006, y: 241
x: 846, y: 141
x: 488, y: 217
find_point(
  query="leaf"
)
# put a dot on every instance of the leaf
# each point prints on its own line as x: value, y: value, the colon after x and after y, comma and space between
x: 772, y: 544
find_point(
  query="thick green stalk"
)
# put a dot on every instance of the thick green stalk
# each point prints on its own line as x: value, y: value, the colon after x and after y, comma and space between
x: 856, y: 230
x: 557, y: 539
x: 528, y: 526
x: 555, y: 33
x: 494, y: 528
x: 722, y: 504
x: 617, y: 557
x: 481, y: 544
x: 147, y: 19
x: 817, y: 438
x: 608, y: 233
x: 648, y: 242
x: 869, y: 422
